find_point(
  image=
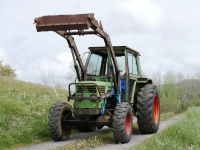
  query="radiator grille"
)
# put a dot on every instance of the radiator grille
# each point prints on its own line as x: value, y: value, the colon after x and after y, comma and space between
x: 102, y: 89
x: 78, y: 89
x: 90, y: 89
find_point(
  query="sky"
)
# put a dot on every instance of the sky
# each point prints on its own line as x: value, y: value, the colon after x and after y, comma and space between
x: 166, y: 33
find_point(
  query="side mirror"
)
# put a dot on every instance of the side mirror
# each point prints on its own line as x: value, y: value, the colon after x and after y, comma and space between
x: 84, y: 57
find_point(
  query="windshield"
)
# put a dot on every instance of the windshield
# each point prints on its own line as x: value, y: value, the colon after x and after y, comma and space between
x: 94, y: 65
x: 121, y: 64
x: 97, y: 61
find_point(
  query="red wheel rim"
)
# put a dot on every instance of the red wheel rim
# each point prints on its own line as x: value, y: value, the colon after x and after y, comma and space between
x: 156, y: 111
x: 128, y: 123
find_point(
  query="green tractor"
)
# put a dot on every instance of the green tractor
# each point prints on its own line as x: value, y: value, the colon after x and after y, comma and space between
x: 110, y: 87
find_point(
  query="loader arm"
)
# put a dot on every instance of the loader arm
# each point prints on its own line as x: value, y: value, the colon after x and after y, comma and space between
x: 68, y: 25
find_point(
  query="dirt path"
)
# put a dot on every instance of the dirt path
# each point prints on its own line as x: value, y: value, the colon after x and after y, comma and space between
x: 135, y: 139
x: 52, y: 144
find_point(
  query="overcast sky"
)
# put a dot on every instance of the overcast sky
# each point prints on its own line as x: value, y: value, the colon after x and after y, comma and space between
x: 166, y: 33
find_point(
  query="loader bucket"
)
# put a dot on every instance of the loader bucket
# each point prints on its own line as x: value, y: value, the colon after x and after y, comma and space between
x: 63, y: 22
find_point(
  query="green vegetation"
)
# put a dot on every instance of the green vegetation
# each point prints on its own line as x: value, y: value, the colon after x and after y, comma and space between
x: 24, y: 112
x: 7, y: 71
x: 183, y: 135
x: 178, y: 92
x: 165, y: 116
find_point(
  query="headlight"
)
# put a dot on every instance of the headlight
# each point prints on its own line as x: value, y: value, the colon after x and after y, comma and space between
x: 93, y: 96
x: 80, y: 95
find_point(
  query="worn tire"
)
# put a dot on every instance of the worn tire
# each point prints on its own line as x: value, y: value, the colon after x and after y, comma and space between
x: 122, y: 123
x: 59, y: 130
x: 148, y: 109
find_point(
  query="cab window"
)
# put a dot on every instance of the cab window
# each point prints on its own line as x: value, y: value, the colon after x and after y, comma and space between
x: 132, y: 65
x: 94, y: 65
x: 122, y: 65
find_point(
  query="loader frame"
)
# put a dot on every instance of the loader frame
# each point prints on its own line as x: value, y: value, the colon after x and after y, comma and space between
x: 63, y: 24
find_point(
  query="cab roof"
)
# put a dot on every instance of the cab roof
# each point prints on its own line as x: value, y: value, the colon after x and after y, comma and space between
x: 117, y: 49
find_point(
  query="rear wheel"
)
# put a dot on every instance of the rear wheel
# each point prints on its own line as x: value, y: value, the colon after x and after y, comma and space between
x: 148, y: 109
x: 59, y: 130
x: 122, y: 123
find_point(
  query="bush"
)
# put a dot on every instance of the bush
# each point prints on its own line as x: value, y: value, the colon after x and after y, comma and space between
x: 7, y: 71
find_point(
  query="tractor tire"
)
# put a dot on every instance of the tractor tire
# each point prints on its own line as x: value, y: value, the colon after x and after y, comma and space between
x: 122, y: 123
x: 59, y: 130
x: 148, y: 109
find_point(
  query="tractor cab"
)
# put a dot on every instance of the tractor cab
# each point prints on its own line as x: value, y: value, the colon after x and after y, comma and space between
x: 98, y: 68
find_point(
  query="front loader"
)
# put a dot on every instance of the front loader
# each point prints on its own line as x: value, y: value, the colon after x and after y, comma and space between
x: 110, y: 87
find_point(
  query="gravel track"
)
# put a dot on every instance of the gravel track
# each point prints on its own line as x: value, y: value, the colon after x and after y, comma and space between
x: 136, y: 138
x: 52, y: 144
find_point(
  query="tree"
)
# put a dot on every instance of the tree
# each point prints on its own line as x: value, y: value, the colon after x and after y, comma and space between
x: 47, y: 78
x: 157, y: 80
x: 197, y: 75
x: 169, y: 84
x: 71, y: 74
x: 181, y: 89
x: 7, y: 71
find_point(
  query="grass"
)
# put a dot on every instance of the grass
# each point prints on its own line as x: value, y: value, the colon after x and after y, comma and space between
x: 99, y: 139
x: 181, y: 136
x: 24, y: 111
x: 165, y: 116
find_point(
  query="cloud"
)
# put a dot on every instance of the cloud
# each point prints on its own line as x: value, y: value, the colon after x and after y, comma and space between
x: 64, y: 57
x: 165, y: 32
x: 146, y: 13
x: 58, y: 65
x: 2, y: 54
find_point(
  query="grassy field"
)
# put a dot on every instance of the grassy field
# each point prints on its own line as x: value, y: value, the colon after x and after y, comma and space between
x: 24, y: 112
x: 184, y: 135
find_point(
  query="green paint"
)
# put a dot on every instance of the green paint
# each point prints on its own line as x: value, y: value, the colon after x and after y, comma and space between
x: 88, y: 92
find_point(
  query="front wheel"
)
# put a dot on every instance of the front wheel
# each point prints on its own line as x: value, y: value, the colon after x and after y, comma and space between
x: 122, y: 123
x: 58, y: 128
x: 148, y: 109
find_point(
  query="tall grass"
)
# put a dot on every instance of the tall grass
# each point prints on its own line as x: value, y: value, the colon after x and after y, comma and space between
x: 24, y: 112
x: 183, y: 135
